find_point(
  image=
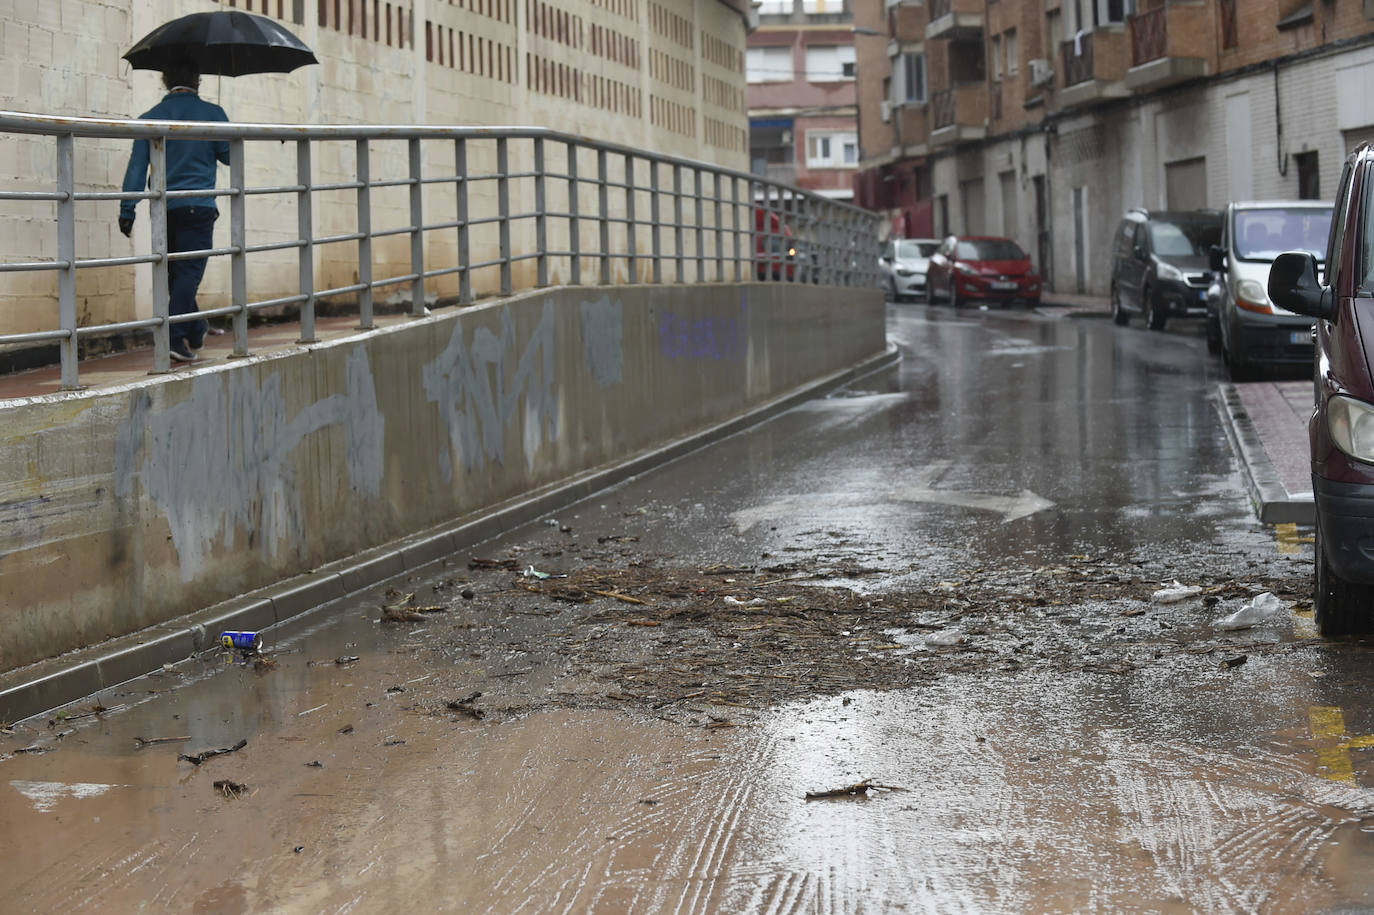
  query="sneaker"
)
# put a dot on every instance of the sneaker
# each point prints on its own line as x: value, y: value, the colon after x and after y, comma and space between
x: 182, y: 353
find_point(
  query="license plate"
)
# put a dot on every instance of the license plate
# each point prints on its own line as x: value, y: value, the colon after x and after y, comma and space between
x: 1202, y: 296
x: 1003, y: 285
x: 1301, y: 337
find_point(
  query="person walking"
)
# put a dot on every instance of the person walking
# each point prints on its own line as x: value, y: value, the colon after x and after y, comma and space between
x: 190, y: 220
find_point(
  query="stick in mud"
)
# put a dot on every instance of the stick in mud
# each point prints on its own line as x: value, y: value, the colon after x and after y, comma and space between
x: 152, y: 741
x: 198, y: 758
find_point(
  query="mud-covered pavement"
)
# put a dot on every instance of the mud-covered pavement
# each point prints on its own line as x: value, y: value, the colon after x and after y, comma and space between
x: 626, y: 708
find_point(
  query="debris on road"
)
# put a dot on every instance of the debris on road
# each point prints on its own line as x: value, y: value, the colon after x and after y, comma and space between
x: 240, y: 640
x: 945, y: 638
x: 464, y: 706
x: 141, y: 742
x: 510, y: 565
x: 198, y: 758
x: 393, y: 742
x: 1175, y: 593
x: 346, y: 729
x: 858, y: 789
x: 1231, y: 663
x: 1261, y: 609
x: 315, y: 764
x: 231, y: 789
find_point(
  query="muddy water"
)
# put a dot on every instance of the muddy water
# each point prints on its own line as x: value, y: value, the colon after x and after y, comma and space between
x: 1189, y: 788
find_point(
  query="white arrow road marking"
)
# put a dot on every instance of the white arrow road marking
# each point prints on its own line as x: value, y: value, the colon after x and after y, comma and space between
x: 1010, y: 507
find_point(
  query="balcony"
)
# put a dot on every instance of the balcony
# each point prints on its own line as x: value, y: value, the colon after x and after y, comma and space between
x: 1094, y: 66
x: 1169, y: 44
x: 955, y: 19
x: 995, y: 101
x: 959, y: 115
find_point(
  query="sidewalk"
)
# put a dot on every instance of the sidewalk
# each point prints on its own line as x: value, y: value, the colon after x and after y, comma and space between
x: 1267, y: 424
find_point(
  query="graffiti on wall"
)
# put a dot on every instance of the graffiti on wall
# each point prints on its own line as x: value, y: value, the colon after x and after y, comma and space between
x: 721, y: 338
x: 483, y: 387
x: 602, y: 340
x: 221, y: 462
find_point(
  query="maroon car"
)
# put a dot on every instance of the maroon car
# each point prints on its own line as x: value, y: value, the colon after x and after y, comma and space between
x: 982, y: 268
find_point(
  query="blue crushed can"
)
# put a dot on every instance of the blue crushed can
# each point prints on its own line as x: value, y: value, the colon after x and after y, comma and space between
x: 241, y: 641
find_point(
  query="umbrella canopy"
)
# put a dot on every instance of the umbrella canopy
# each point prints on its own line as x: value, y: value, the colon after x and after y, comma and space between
x: 224, y: 42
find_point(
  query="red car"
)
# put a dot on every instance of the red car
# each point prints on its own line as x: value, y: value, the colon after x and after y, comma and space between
x: 975, y: 267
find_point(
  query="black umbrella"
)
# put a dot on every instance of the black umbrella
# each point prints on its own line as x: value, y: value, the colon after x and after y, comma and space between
x: 224, y: 42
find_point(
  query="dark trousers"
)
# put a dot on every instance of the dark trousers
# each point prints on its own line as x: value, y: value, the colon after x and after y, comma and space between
x: 188, y: 229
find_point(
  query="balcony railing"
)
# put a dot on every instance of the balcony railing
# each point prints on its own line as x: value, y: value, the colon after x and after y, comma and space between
x: 943, y: 106
x: 1149, y: 36
x: 995, y: 101
x: 940, y: 8
x: 1077, y: 54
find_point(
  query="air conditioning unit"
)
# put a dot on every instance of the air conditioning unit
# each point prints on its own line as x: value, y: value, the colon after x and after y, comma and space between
x: 886, y: 111
x: 1041, y: 73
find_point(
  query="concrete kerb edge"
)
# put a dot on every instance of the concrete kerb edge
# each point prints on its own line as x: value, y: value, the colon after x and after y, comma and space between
x: 39, y: 688
x: 1270, y: 498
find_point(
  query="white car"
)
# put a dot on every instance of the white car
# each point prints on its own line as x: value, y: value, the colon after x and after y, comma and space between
x: 903, y: 264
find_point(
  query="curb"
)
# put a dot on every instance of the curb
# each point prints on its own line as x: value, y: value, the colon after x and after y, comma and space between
x: 46, y: 685
x: 1272, y: 502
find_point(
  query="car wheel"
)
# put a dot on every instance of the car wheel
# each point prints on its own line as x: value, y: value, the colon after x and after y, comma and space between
x: 1155, y: 317
x: 1213, y: 337
x: 1238, y: 369
x: 1118, y: 313
x: 891, y: 291
x: 1340, y: 607
x: 955, y: 299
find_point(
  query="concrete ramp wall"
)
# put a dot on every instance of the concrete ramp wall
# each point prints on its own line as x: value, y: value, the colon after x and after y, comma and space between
x: 127, y: 507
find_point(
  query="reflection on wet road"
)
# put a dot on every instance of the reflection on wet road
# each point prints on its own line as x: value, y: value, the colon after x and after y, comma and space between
x: 1215, y: 772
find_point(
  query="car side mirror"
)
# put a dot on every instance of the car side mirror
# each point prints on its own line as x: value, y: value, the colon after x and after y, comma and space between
x: 1216, y: 258
x: 1293, y: 285
x: 1140, y: 252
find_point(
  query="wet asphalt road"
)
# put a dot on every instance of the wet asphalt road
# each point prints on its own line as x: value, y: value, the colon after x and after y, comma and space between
x: 1002, y: 441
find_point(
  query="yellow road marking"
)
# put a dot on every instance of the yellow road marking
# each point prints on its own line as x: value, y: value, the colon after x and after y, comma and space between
x: 1333, y: 750
x: 1288, y: 540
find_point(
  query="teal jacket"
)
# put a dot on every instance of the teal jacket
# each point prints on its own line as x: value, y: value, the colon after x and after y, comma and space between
x: 190, y: 163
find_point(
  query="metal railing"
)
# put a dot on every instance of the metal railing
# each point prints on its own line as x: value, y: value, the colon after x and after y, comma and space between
x: 1077, y: 55
x: 477, y: 207
x: 1149, y: 35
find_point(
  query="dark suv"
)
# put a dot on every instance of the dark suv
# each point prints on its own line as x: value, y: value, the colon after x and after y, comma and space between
x: 1340, y: 295
x: 1160, y: 267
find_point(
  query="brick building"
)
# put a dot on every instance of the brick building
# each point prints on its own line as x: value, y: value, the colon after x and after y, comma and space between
x: 803, y: 115
x: 1044, y: 119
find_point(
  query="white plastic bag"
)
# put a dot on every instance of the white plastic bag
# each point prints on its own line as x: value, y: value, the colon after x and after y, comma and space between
x: 1175, y: 593
x: 1261, y: 609
x: 944, y: 638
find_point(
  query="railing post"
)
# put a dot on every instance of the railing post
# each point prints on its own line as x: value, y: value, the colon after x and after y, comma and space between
x: 238, y: 240
x: 417, y: 230
x: 460, y: 171
x: 735, y: 210
x: 574, y: 226
x: 66, y: 252
x: 632, y: 226
x: 305, y: 228
x: 678, y: 234
x: 366, y: 318
x: 603, y: 215
x: 541, y: 219
x: 756, y: 270
x: 720, y: 233
x: 503, y: 205
x: 701, y: 227
x: 656, y: 221
x: 157, y: 223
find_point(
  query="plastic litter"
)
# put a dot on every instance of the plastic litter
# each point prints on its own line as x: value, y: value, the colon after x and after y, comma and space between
x: 1175, y: 593
x: 1261, y: 609
x: 532, y: 572
x: 944, y: 638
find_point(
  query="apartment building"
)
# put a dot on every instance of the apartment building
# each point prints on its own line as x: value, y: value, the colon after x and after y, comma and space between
x: 1044, y: 120
x: 803, y: 114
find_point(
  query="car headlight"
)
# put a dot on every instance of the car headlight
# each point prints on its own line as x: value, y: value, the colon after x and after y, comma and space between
x: 1170, y: 272
x: 906, y: 272
x: 1352, y: 426
x: 1250, y: 295
x: 966, y: 270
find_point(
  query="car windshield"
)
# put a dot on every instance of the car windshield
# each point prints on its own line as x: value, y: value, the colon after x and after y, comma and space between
x: 989, y: 249
x: 1265, y: 234
x: 916, y: 249
x: 1184, y: 239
